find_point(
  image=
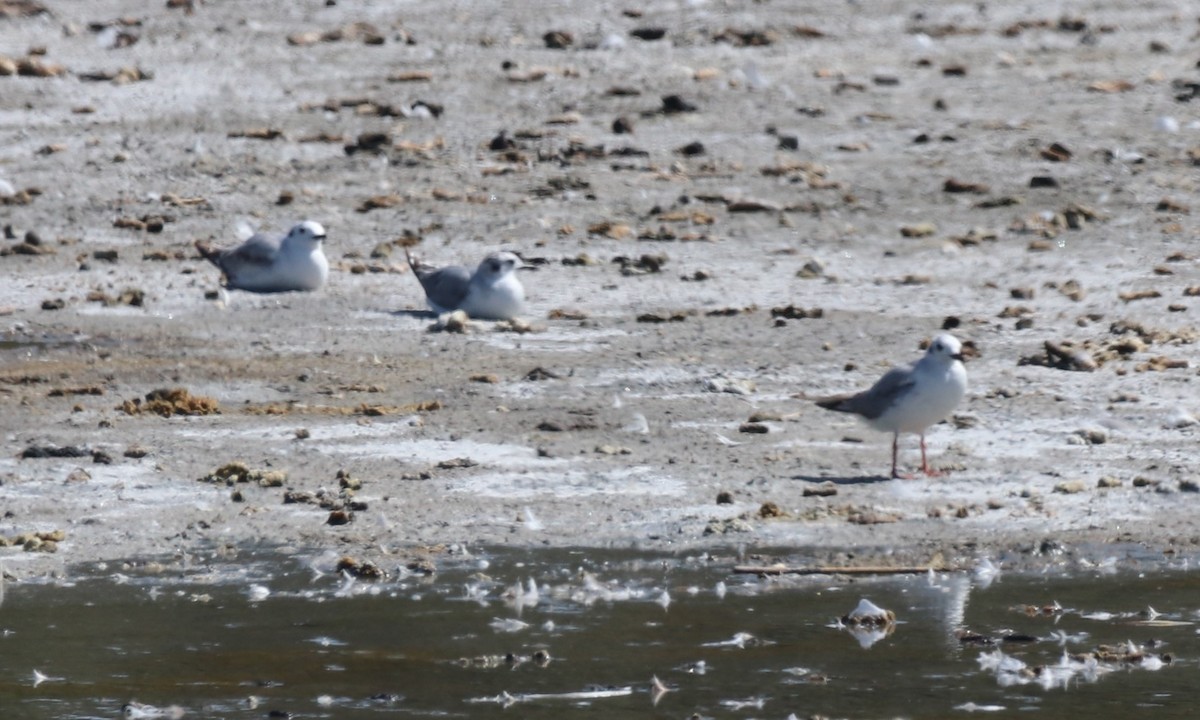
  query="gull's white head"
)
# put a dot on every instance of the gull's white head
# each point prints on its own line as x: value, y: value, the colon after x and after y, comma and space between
x: 307, y: 234
x: 497, y: 266
x: 946, y: 348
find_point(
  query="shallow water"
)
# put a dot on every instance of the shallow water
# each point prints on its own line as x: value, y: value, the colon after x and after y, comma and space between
x: 285, y: 634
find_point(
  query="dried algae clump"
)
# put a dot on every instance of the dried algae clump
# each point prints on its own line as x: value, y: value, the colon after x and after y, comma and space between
x: 171, y: 401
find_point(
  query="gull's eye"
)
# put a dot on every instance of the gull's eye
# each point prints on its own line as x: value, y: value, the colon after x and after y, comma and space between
x: 938, y: 346
x: 495, y: 266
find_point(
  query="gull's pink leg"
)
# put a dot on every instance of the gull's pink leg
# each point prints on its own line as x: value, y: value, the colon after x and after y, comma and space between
x: 925, y: 463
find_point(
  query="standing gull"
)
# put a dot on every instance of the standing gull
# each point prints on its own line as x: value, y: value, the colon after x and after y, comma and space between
x: 268, y: 265
x: 492, y: 292
x: 909, y: 399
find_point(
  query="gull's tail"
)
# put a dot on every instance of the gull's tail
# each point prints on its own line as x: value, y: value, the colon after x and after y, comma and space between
x: 208, y: 252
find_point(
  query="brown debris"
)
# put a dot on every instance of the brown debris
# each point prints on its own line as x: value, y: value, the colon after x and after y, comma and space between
x: 86, y: 390
x: 364, y: 31
x: 863, y: 516
x: 794, y: 312
x: 953, y: 185
x: 1055, y: 152
x: 236, y: 472
x: 257, y: 134
x: 1062, y: 356
x: 149, y: 223
x: 21, y: 197
x: 1169, y: 205
x: 807, y: 31
x: 1111, y: 86
x: 25, y: 247
x: 133, y: 297
x: 919, y: 230
x: 379, y: 201
x: 123, y: 76
x: 747, y: 205
x: 411, y: 76
x: 558, y: 40
x: 746, y: 38
x: 21, y: 8
x: 30, y: 67
x: 1132, y: 295
x: 166, y: 402
x: 662, y: 317
x: 644, y: 265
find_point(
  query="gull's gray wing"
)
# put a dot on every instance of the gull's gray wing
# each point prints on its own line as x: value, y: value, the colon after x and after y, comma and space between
x: 258, y: 249
x: 874, y: 401
x: 445, y: 288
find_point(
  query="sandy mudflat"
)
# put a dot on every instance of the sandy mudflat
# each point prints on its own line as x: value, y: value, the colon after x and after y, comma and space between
x: 865, y: 160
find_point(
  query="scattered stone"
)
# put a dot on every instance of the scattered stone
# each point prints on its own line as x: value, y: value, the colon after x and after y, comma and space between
x: 558, y: 40
x: 648, y: 33
x: 754, y: 428
x: 456, y: 463
x: 339, y: 517
x: 770, y: 510
x: 825, y: 489
x: 1108, y: 481
x: 520, y: 326
x: 919, y: 230
x: 736, y: 386
x: 718, y: 526
x: 612, y: 450
x: 364, y: 570
x: 136, y: 452
x: 724, y: 498
x: 672, y: 104
x: 868, y: 614
x: 1070, y: 487
x: 453, y: 322
x: 1091, y: 436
